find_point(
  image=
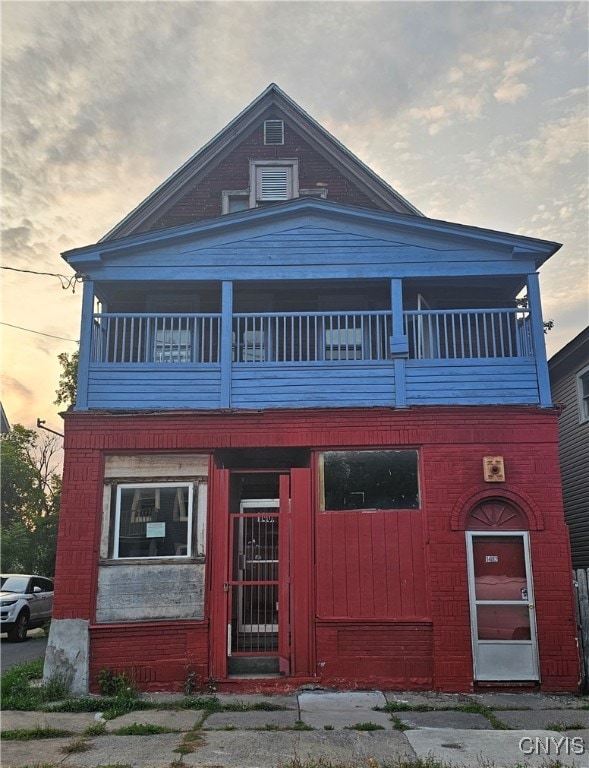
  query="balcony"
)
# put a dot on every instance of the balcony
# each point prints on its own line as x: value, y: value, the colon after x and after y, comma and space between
x: 303, y: 359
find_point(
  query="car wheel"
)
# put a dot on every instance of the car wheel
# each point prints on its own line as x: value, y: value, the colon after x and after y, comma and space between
x: 18, y: 633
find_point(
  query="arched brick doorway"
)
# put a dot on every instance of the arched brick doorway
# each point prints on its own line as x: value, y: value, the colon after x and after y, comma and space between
x: 501, y: 592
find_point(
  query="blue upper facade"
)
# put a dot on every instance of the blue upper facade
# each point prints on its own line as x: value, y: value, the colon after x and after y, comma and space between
x: 311, y: 304
x: 275, y: 270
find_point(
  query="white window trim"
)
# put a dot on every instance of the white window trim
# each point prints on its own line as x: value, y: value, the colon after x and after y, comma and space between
x: 273, y: 143
x: 294, y: 184
x: 583, y: 405
x: 320, y: 192
x: 228, y: 193
x: 138, y: 486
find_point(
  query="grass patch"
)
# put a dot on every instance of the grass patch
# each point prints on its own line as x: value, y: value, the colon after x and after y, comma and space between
x: 370, y: 762
x: 399, y: 725
x: 260, y: 706
x: 143, y: 729
x: 368, y: 726
x: 300, y: 725
x: 77, y: 746
x: 98, y: 729
x: 558, y: 726
x: 185, y: 749
x: 209, y: 703
x: 473, y: 709
x: 31, y: 734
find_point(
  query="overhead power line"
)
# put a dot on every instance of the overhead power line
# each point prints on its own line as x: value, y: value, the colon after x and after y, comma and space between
x: 39, y: 333
x: 65, y: 280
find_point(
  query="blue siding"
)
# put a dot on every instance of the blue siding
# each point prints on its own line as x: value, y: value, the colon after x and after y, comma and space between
x: 164, y: 386
x: 466, y: 382
x: 268, y: 385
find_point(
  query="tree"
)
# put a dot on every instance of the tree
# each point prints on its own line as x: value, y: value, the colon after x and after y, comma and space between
x: 68, y: 379
x: 31, y: 491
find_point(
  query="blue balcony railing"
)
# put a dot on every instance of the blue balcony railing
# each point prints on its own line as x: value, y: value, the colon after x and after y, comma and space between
x: 155, y: 338
x: 310, y: 337
x: 468, y: 334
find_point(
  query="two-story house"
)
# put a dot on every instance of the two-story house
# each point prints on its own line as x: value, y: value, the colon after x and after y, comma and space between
x: 313, y: 441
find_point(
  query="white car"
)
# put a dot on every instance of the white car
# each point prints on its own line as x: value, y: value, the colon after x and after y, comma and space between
x: 26, y: 602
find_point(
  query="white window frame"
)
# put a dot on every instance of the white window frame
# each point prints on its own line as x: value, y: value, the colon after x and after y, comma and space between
x: 158, y: 486
x: 293, y: 179
x: 583, y: 398
x: 315, y: 192
x: 227, y: 194
x: 273, y: 120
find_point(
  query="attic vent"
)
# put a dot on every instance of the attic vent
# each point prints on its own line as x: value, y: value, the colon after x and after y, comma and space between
x: 273, y: 132
x: 274, y: 183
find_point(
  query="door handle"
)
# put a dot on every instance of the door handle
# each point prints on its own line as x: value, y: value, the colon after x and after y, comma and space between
x: 225, y: 587
x: 531, y: 605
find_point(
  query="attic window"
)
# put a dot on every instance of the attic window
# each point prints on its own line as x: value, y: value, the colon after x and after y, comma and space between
x: 272, y: 181
x: 273, y: 132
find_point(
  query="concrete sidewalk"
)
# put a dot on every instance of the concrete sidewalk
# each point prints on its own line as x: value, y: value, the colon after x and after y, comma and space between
x: 316, y: 728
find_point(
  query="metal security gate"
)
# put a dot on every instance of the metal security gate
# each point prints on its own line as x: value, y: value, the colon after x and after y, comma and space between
x: 255, y: 574
x: 258, y: 632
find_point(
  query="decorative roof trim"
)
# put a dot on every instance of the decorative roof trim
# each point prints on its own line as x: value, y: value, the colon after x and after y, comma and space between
x: 202, y: 162
x: 309, y: 210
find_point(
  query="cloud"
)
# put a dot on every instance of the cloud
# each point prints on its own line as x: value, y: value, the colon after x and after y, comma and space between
x: 511, y: 89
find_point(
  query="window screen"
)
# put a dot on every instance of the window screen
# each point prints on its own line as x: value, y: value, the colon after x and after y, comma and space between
x: 369, y: 480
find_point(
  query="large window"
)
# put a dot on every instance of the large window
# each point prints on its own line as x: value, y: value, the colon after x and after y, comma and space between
x: 153, y: 520
x: 368, y: 480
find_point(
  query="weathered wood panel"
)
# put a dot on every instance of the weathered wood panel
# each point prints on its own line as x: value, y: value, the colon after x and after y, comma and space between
x: 371, y: 565
x: 464, y: 382
x: 267, y: 385
x: 140, y: 593
x: 157, y: 465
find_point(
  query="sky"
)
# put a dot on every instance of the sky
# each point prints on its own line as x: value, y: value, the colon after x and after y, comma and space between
x: 476, y: 112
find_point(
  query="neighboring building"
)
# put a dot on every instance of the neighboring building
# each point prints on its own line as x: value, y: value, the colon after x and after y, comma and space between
x: 4, y: 425
x: 569, y: 379
x: 313, y: 441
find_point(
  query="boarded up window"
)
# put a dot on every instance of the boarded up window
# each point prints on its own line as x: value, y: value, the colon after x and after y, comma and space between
x: 369, y: 480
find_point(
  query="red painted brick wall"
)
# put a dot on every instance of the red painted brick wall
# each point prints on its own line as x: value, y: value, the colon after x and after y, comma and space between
x: 161, y: 656
x: 452, y: 442
x: 391, y: 656
x: 204, y: 200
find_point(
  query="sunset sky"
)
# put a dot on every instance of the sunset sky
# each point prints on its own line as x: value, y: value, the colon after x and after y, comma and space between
x: 476, y: 112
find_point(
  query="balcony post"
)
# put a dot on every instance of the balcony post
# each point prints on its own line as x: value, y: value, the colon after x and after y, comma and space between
x: 226, y: 344
x: 537, y: 325
x: 399, y: 343
x: 86, y: 334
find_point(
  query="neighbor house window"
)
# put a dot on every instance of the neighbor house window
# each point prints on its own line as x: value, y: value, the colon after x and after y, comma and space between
x: 272, y: 181
x: 583, y: 394
x: 153, y: 520
x: 385, y: 479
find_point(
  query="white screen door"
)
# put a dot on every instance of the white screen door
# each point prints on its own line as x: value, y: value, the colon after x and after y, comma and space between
x: 502, y: 606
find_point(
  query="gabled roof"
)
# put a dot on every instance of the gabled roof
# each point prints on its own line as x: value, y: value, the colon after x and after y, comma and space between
x: 272, y: 101
x: 319, y: 213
